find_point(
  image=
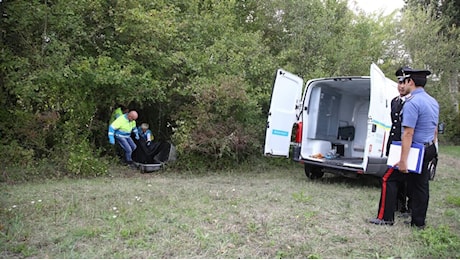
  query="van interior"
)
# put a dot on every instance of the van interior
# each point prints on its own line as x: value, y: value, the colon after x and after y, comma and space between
x: 335, y: 118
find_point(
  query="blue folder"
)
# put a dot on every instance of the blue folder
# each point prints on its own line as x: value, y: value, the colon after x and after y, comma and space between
x: 414, y: 160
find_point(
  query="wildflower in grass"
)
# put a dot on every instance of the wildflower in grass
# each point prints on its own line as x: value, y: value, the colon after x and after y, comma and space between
x: 32, y: 202
x: 115, y: 209
x: 114, y: 216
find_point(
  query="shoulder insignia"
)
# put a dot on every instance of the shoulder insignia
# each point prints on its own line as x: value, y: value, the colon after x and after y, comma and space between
x: 408, y: 97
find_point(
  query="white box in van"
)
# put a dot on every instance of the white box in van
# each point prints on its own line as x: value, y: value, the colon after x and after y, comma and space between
x: 342, y: 122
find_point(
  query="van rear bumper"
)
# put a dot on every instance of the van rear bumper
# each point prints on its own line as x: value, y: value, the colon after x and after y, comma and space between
x: 375, y: 166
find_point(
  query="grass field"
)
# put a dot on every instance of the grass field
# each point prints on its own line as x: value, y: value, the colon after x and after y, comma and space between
x: 264, y: 213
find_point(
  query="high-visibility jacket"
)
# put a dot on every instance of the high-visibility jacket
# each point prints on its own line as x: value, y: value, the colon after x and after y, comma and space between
x: 116, y: 113
x: 122, y: 128
x: 148, y: 136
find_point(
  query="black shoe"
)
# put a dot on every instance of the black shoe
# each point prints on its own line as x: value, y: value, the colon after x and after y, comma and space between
x: 409, y: 222
x: 131, y: 165
x: 378, y: 221
x: 419, y: 227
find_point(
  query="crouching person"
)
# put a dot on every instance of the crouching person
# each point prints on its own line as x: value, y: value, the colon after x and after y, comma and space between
x: 120, y: 131
x: 145, y: 133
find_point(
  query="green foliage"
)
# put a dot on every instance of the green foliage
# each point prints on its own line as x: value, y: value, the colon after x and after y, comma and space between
x: 439, y: 242
x: 13, y: 154
x: 429, y: 41
x: 301, y: 197
x: 323, y: 38
x: 452, y: 123
x: 454, y: 200
x: 220, y: 123
x: 82, y: 161
x: 200, y: 71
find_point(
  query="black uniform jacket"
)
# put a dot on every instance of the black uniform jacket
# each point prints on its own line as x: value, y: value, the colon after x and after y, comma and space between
x: 396, y: 119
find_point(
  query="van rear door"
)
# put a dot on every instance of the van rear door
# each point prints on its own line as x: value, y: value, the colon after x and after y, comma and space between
x: 379, y: 119
x: 283, y: 113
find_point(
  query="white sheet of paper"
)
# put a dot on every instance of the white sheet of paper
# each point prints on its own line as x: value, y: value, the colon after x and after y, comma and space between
x: 414, y: 160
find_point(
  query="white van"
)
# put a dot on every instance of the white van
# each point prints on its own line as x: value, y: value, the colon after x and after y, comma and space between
x: 342, y: 123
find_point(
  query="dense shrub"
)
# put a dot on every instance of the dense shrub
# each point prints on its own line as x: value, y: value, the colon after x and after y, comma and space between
x: 220, y: 126
x: 83, y: 161
x: 13, y: 154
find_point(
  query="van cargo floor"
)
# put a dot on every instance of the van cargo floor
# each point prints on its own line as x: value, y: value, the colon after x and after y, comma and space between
x: 342, y: 160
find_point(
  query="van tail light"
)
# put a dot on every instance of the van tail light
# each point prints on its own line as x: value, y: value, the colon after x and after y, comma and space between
x: 298, y: 133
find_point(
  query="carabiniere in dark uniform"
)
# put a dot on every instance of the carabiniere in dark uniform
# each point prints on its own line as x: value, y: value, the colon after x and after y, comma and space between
x: 395, y: 131
x: 394, y: 189
x: 395, y: 135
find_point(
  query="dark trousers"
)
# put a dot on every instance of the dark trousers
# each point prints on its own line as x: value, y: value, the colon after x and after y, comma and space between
x: 391, y: 180
x: 403, y: 203
x: 418, y: 187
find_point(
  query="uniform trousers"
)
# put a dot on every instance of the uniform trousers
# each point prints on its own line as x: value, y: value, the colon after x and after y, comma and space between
x: 418, y: 186
x: 391, y: 180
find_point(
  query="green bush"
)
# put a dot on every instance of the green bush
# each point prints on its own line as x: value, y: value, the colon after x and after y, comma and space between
x: 83, y: 161
x: 13, y: 154
x: 16, y: 162
x: 221, y: 126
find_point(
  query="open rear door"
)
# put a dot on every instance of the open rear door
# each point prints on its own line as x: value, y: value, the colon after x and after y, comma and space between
x: 382, y: 91
x: 286, y: 95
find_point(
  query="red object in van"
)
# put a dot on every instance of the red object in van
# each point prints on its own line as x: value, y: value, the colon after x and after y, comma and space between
x: 298, y: 134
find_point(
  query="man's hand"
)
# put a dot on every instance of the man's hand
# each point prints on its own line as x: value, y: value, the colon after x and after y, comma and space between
x: 402, y: 167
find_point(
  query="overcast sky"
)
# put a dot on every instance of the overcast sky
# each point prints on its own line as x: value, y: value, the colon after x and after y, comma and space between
x: 387, y: 6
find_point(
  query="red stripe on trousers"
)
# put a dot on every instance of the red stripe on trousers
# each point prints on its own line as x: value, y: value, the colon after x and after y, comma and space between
x: 384, y: 192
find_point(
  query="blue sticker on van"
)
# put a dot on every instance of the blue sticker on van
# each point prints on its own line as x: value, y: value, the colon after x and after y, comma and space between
x: 280, y: 132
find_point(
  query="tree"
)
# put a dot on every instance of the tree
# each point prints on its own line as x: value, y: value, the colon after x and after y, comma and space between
x: 199, y: 71
x: 430, y: 36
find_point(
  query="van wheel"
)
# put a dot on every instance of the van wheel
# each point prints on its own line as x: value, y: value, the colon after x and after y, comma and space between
x: 313, y: 172
x: 432, y: 168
